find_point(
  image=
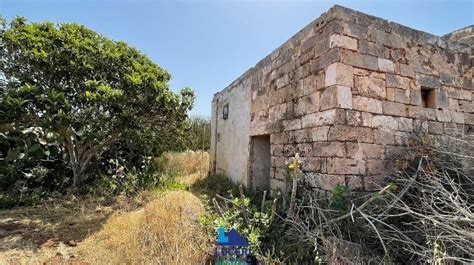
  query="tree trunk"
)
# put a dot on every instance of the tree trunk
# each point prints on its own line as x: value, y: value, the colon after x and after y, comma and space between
x: 80, y: 155
x: 76, y: 177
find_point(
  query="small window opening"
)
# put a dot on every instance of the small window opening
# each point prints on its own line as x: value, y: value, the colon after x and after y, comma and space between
x: 225, y: 112
x: 428, y: 98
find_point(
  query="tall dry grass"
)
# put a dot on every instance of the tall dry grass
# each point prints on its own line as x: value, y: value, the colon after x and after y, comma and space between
x: 165, y: 231
x: 186, y: 167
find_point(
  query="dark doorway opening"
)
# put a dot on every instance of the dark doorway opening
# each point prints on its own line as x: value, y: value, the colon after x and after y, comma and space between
x: 260, y: 161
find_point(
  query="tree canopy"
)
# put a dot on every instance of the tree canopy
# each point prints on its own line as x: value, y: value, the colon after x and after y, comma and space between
x: 83, y: 90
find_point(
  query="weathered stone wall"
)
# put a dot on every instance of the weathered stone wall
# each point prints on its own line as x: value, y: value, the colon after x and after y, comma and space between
x: 345, y: 92
x: 464, y: 35
x: 390, y: 64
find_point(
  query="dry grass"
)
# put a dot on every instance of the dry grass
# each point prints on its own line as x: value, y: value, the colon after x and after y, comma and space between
x: 50, y: 232
x: 165, y: 231
x: 149, y: 228
x: 184, y: 163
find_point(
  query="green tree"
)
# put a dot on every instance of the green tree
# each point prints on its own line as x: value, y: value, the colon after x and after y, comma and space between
x: 83, y: 88
x: 197, y: 134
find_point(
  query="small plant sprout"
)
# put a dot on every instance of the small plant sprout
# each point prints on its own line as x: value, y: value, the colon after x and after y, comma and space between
x: 294, y: 170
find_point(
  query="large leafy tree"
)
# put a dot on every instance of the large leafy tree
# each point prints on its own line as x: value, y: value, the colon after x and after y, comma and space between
x: 85, y: 90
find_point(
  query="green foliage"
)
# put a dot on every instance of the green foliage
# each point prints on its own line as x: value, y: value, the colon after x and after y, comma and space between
x: 215, y: 184
x: 102, y: 106
x: 31, y: 164
x: 197, y: 135
x: 340, y: 198
x: 253, y: 228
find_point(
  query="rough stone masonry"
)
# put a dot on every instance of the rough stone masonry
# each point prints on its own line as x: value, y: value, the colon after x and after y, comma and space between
x: 345, y: 93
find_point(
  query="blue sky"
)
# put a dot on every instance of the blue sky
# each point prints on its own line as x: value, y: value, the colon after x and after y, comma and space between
x: 207, y: 44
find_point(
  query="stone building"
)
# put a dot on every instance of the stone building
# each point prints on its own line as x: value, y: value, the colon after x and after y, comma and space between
x: 345, y: 93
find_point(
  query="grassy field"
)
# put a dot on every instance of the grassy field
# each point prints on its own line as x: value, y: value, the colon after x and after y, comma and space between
x: 159, y: 227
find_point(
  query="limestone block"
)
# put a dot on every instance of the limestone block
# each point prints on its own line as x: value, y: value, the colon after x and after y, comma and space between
x: 319, y: 134
x: 415, y: 97
x: 339, y: 74
x: 307, y: 104
x: 457, y: 117
x: 324, y: 181
x: 279, y: 173
x: 375, y: 166
x: 302, y: 136
x: 354, y: 118
x: 314, y: 164
x: 421, y: 125
x: 469, y: 118
x: 280, y: 138
x: 337, y: 40
x: 454, y: 104
x: 446, y: 79
x: 384, y: 121
x: 367, y: 119
x: 370, y: 87
x: 386, y: 65
x: 326, y: 59
x: 397, y: 81
x: 345, y: 166
x: 336, y: 97
x: 466, y: 106
x: 385, y: 39
x: 277, y: 186
x: 466, y: 94
x: 304, y: 149
x: 282, y: 81
x: 443, y: 116
x: 367, y: 104
x: 428, y: 114
x: 278, y: 161
x: 407, y: 70
x: 355, y: 30
x: 414, y: 111
x: 276, y: 149
x: 394, y: 108
x: 373, y: 48
x: 384, y: 136
x: 405, y: 124
x: 428, y: 81
x: 442, y: 100
x: 322, y: 118
x: 364, y: 150
x: 360, y: 60
x: 454, y: 129
x: 291, y: 125
x: 349, y: 133
x: 391, y: 93
x: 402, y: 96
x: 332, y: 149
x: 306, y: 57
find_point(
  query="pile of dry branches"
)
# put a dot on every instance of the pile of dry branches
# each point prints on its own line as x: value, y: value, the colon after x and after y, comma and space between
x: 424, y: 215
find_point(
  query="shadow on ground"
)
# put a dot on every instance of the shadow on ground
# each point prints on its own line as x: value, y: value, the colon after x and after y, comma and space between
x: 61, y: 223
